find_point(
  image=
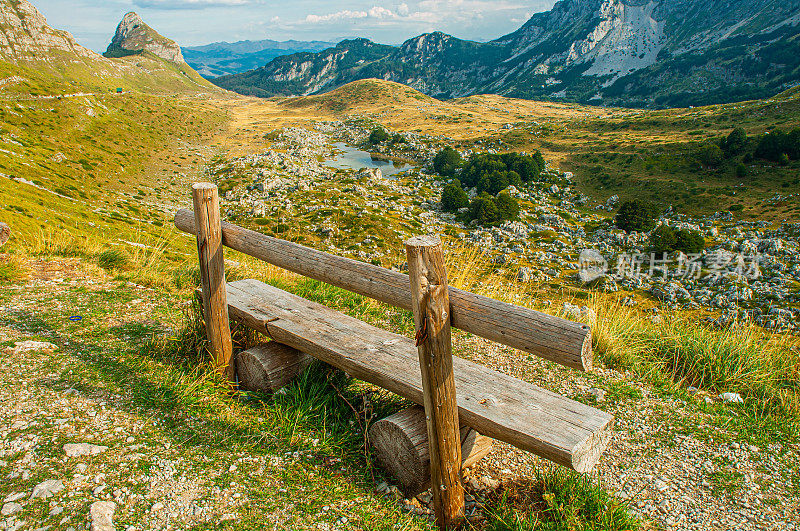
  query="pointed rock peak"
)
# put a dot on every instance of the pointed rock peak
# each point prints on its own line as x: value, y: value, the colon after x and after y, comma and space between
x: 134, y: 37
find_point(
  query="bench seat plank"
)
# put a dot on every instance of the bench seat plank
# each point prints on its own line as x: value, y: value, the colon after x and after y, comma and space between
x: 497, y: 405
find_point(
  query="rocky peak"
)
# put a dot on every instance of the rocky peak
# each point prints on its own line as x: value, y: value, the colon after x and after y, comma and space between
x: 134, y: 37
x: 26, y: 36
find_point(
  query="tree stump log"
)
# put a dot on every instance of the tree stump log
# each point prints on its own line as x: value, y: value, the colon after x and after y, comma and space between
x: 400, y: 443
x: 270, y: 366
x: 5, y: 233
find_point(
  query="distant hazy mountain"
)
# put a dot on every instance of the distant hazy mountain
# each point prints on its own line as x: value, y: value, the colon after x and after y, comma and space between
x: 223, y: 58
x: 652, y: 53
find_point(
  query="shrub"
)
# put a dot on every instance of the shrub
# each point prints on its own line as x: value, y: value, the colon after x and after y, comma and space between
x: 507, y: 207
x: 665, y: 239
x: 741, y: 171
x: 498, y: 181
x: 484, y: 210
x: 526, y: 167
x: 689, y: 241
x: 662, y: 240
x: 636, y: 215
x: 454, y: 197
x: 735, y: 143
x: 397, y: 138
x: 378, y: 135
x: 446, y: 162
x: 774, y: 145
x: 710, y: 155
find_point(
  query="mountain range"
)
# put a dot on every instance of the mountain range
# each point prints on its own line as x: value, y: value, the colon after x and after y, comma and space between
x: 635, y: 53
x: 225, y: 58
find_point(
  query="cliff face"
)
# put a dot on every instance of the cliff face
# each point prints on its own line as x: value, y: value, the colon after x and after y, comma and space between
x: 650, y: 53
x: 25, y: 35
x: 133, y: 37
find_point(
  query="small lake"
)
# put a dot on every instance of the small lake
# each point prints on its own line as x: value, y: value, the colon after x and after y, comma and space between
x: 352, y: 158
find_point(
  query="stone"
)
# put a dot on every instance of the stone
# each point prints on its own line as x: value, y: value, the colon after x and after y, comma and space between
x: 81, y: 449
x: 10, y: 508
x: 48, y: 488
x: 731, y: 398
x: 101, y: 514
x: 32, y: 346
x: 598, y: 394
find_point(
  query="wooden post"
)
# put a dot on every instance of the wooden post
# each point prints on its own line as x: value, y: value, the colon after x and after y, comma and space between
x: 431, y: 306
x: 5, y: 233
x: 212, y: 272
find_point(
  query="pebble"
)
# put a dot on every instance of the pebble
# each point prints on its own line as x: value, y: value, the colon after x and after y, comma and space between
x: 733, y: 398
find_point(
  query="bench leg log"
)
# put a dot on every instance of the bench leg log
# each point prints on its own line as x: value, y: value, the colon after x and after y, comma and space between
x: 400, y: 443
x: 270, y: 366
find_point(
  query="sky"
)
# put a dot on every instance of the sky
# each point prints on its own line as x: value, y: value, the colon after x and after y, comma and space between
x: 196, y: 22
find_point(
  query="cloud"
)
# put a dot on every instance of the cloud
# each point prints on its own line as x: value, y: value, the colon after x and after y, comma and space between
x: 340, y: 15
x: 188, y: 4
x: 403, y: 10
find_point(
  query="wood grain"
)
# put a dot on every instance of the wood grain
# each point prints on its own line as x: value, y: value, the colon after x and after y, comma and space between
x: 564, y: 342
x: 269, y: 366
x: 212, y: 274
x: 497, y: 405
x: 400, y: 442
x: 431, y: 306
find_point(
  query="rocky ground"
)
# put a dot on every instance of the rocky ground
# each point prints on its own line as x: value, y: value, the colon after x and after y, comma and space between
x: 96, y: 432
x: 749, y: 271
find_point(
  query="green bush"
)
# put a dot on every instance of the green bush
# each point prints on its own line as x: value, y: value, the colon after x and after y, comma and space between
x: 741, y: 171
x: 454, y: 197
x: 710, y: 155
x: 498, y: 181
x: 397, y: 138
x: 735, y: 143
x: 779, y: 146
x: 378, y: 135
x: 446, y: 162
x: 484, y: 210
x: 526, y: 167
x: 507, y: 207
x: 665, y: 239
x: 636, y: 215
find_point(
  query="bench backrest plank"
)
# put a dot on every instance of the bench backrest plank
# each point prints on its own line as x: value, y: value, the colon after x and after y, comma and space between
x: 549, y: 337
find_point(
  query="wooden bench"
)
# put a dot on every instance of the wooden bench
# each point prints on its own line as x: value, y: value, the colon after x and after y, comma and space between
x: 484, y: 401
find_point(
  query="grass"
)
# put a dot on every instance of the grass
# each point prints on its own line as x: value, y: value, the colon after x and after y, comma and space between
x: 556, y: 500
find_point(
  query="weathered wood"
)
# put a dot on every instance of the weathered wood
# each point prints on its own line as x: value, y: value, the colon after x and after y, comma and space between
x: 431, y: 305
x: 212, y: 273
x: 5, y: 233
x: 497, y: 405
x: 549, y: 337
x: 269, y: 366
x: 400, y: 442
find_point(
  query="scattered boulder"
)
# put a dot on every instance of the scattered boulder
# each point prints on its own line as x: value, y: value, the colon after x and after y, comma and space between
x: 48, y: 488
x: 81, y: 449
x: 10, y: 508
x: 101, y: 514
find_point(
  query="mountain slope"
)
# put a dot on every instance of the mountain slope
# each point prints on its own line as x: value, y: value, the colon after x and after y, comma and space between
x: 223, y: 58
x: 614, y: 52
x: 37, y: 60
